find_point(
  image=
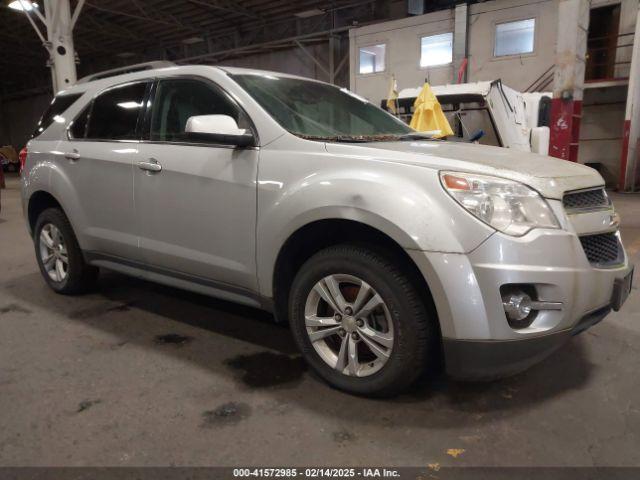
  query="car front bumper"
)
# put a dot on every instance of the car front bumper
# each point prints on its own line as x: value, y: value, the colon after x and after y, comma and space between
x: 485, y: 360
x: 478, y: 341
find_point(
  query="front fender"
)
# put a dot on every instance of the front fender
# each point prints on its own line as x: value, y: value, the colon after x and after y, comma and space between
x: 404, y: 202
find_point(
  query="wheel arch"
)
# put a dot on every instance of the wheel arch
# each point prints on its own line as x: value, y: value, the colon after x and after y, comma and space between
x: 48, y: 186
x: 38, y: 202
x: 317, y: 235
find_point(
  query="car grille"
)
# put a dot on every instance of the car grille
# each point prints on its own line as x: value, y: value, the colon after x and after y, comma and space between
x: 603, y: 250
x: 586, y: 200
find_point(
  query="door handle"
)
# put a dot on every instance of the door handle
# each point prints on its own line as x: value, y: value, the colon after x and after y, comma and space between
x: 151, y: 166
x: 72, y: 155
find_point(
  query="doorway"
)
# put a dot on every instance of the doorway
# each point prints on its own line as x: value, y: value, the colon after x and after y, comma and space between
x: 602, y: 42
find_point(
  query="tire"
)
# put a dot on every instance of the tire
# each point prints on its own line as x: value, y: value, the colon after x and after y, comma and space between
x: 403, y: 322
x: 78, y: 276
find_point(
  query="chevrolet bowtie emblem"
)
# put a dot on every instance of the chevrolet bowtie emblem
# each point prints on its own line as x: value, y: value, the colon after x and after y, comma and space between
x: 614, y: 220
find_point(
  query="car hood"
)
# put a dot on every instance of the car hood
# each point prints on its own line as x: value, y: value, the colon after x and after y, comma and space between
x: 549, y: 176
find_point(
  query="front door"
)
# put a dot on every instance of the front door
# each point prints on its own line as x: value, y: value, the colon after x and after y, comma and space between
x: 196, y: 202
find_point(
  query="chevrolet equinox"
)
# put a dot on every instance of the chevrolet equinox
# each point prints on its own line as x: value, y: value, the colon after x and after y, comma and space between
x: 387, y: 251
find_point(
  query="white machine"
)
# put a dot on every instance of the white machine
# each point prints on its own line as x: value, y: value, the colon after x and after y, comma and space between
x: 490, y: 113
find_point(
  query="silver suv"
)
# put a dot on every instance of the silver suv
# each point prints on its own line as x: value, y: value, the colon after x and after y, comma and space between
x: 387, y: 251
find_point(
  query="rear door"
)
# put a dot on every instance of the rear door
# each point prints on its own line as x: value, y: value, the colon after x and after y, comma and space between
x: 102, y: 149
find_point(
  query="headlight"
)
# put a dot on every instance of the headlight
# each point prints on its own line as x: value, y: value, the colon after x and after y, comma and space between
x: 508, y: 206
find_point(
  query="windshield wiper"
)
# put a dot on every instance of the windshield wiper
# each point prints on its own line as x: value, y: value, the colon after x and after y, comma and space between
x: 369, y: 138
x: 379, y: 138
x: 418, y: 136
x: 350, y: 138
x: 334, y: 138
x: 353, y: 139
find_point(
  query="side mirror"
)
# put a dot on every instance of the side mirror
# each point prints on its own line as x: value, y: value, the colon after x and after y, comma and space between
x: 221, y: 129
x: 540, y: 140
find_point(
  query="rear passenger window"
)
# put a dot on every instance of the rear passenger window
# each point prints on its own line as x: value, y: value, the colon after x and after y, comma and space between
x: 114, y: 115
x: 54, y: 112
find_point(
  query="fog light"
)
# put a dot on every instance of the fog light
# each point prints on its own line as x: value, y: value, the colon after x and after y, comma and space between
x: 522, y: 305
x: 517, y: 306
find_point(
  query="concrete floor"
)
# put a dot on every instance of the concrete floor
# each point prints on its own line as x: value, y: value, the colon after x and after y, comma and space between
x: 139, y: 374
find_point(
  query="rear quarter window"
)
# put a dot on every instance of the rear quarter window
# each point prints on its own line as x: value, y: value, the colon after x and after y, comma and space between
x: 54, y: 111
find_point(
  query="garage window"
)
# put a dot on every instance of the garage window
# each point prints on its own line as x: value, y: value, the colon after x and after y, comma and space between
x: 514, y: 38
x: 372, y: 59
x: 436, y: 50
x: 115, y: 113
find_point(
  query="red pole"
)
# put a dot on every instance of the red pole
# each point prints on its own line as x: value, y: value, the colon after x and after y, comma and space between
x: 565, y: 128
x: 624, y: 154
x: 463, y: 67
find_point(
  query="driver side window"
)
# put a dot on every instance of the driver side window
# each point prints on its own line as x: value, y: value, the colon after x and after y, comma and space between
x: 178, y: 100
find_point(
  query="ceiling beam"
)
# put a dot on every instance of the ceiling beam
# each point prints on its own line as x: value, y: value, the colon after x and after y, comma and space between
x: 264, y: 44
x: 226, y: 6
x: 145, y: 18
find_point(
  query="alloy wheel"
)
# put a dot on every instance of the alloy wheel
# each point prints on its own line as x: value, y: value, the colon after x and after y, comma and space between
x: 349, y: 325
x: 53, y: 253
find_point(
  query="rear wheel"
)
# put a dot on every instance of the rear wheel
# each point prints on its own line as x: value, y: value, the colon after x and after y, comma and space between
x: 59, y: 256
x: 360, y: 322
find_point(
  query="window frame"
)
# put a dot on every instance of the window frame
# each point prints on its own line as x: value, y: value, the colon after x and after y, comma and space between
x: 145, y: 125
x: 515, y: 55
x: 89, y: 105
x: 87, y: 108
x: 426, y: 35
x: 385, y: 63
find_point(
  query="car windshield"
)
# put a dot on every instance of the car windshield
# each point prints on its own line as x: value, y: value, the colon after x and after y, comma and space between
x: 319, y: 111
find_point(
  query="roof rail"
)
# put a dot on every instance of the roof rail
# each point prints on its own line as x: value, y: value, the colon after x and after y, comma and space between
x: 138, y: 67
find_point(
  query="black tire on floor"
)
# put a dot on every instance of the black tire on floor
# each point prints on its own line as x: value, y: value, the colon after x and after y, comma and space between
x: 416, y: 336
x: 80, y: 276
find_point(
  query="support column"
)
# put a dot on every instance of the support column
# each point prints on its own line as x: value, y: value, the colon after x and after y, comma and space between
x: 568, y: 82
x: 334, y: 46
x: 59, y: 34
x: 59, y: 24
x: 631, y: 134
x: 460, y: 44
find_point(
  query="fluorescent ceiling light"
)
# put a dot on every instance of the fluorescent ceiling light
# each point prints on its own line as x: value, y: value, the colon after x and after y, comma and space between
x: 23, y: 5
x: 309, y: 13
x: 192, y: 40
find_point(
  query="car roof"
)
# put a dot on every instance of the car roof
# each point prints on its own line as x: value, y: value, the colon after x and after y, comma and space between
x: 88, y: 83
x: 254, y: 71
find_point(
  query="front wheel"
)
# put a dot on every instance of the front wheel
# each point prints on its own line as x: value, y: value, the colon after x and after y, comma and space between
x: 59, y: 256
x: 360, y: 322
